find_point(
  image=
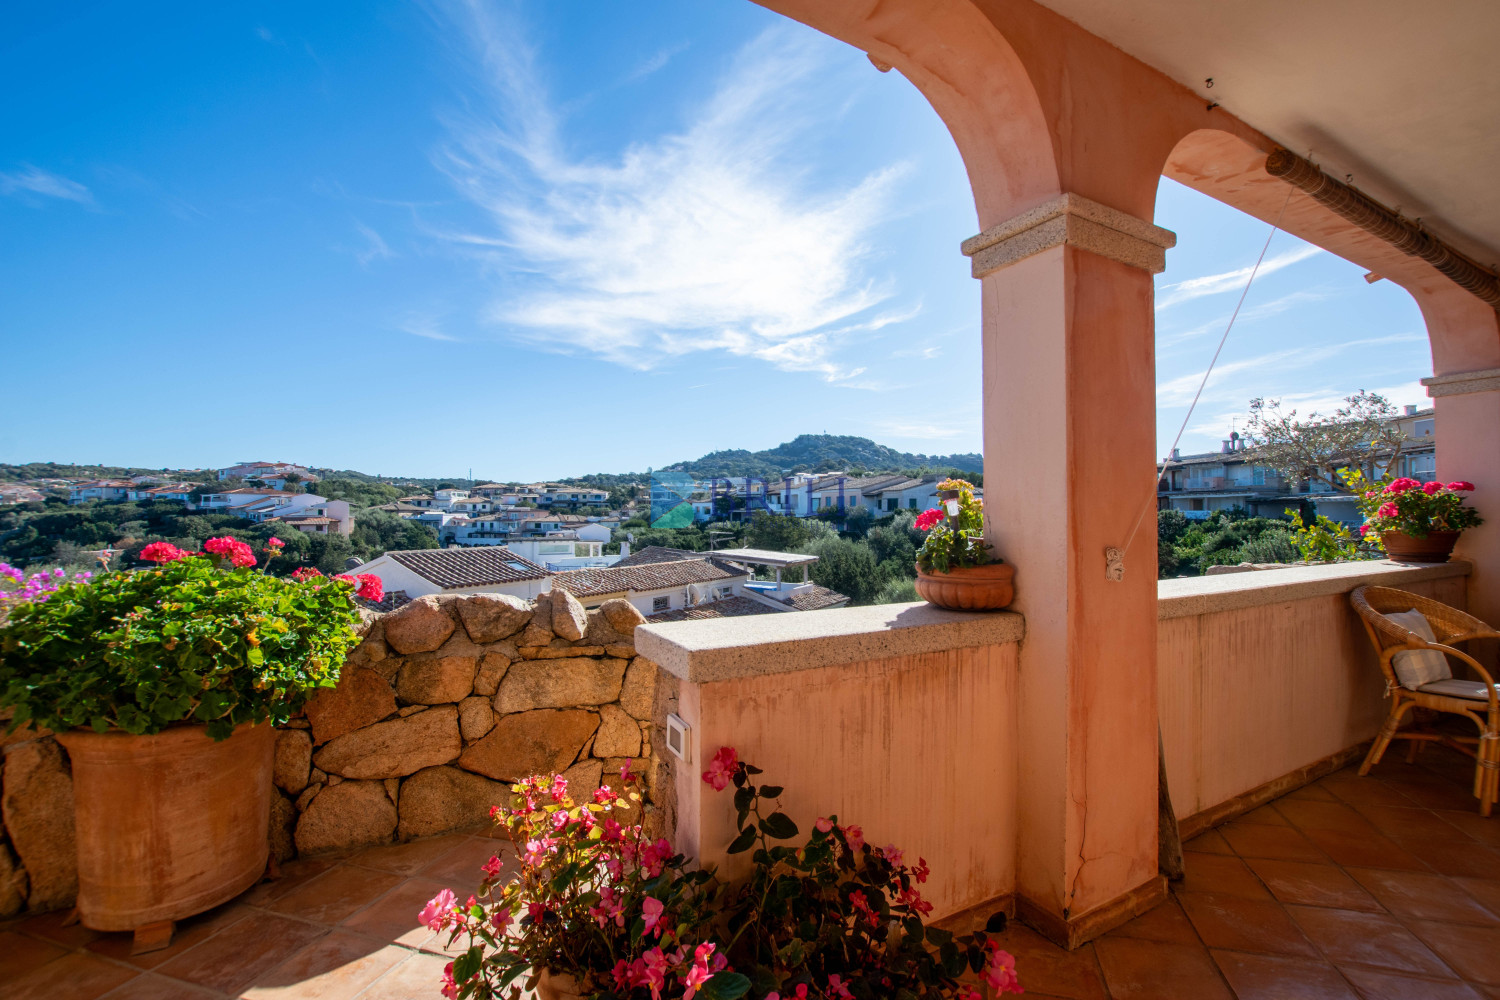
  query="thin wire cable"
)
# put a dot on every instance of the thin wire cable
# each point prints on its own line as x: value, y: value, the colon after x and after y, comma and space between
x: 1275, y: 228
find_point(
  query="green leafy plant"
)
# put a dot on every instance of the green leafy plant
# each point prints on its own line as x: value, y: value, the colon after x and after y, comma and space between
x: 955, y: 530
x: 1410, y: 507
x: 1324, y: 540
x: 202, y: 638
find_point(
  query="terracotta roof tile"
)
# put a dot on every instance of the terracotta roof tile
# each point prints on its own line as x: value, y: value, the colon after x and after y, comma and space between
x: 730, y: 607
x: 469, y: 567
x: 653, y: 576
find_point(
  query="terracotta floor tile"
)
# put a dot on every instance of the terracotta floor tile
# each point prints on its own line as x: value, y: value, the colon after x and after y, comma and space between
x: 1485, y: 829
x: 393, y: 917
x: 1278, y: 977
x: 419, y: 975
x: 410, y: 858
x: 1423, y: 896
x: 293, y: 874
x: 1349, y: 787
x: 1046, y: 969
x: 20, y: 954
x: 1266, y: 815
x: 1208, y: 842
x: 459, y: 867
x: 1220, y: 874
x: 1308, y: 815
x: 1472, y: 952
x: 1164, y: 922
x: 1376, y: 984
x: 1155, y: 970
x: 335, y: 967
x: 232, y: 959
x: 1487, y: 891
x: 188, y: 933
x: 1312, y: 884
x: 1347, y: 937
x: 1434, y: 792
x: 335, y: 894
x: 1454, y: 857
x: 1365, y: 850
x: 1409, y: 824
x: 150, y: 986
x: 75, y: 976
x: 1283, y: 842
x: 54, y: 927
x: 1313, y: 792
x: 1245, y: 925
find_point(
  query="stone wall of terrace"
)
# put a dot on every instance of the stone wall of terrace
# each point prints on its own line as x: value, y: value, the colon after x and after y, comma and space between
x: 440, y: 707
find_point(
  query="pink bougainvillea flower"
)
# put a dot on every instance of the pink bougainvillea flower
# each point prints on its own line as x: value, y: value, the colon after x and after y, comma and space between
x: 721, y: 769
x: 450, y: 988
x: 1431, y: 488
x: 855, y: 836
x: 824, y: 824
x: 1000, y: 970
x: 162, y: 552
x: 538, y: 851
x: 1460, y: 486
x: 491, y: 868
x: 559, y: 788
x: 928, y: 518
x: 603, y: 795
x: 438, y: 912
x: 626, y: 775
x: 651, y: 910
x: 893, y: 854
x: 654, y: 856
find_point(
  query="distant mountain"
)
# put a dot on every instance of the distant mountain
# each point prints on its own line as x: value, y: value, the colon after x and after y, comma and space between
x: 822, y: 453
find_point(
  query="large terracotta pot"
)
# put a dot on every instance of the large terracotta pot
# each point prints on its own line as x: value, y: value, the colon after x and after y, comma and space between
x: 1403, y: 548
x: 972, y: 588
x: 557, y: 986
x: 168, y: 825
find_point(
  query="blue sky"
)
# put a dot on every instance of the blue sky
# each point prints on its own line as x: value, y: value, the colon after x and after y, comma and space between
x: 541, y: 240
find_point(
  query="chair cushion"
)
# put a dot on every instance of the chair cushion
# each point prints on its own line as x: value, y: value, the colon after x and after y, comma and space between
x: 1457, y: 689
x: 1415, y: 667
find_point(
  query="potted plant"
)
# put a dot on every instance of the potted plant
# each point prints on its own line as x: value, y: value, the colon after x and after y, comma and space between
x: 164, y: 685
x: 1414, y: 522
x: 599, y: 909
x: 954, y: 566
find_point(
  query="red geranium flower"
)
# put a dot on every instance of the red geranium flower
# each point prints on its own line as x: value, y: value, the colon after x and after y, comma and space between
x: 1458, y: 485
x: 928, y: 518
x: 162, y: 552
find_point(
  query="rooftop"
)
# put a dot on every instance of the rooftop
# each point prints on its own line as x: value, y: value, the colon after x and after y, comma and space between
x: 653, y: 576
x: 480, y: 566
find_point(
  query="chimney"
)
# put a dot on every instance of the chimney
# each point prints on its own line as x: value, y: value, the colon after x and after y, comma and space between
x: 1176, y: 454
x: 1411, y: 409
x: 1224, y: 448
x: 624, y: 549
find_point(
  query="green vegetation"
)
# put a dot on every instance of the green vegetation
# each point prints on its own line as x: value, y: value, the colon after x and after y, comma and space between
x: 1228, y: 537
x: 67, y: 470
x: 825, y: 453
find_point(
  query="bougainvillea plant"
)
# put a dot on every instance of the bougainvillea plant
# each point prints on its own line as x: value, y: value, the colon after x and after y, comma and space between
x: 200, y: 638
x: 623, y: 915
x: 20, y: 587
x: 955, y: 530
x: 1411, y: 507
x: 591, y: 897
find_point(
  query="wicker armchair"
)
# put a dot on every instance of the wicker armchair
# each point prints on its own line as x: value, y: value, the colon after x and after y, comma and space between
x: 1478, y: 701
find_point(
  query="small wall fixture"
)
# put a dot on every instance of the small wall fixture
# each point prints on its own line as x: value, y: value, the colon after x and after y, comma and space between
x: 678, y: 738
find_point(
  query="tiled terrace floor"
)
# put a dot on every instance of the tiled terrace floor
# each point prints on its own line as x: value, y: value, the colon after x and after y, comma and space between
x: 1386, y: 888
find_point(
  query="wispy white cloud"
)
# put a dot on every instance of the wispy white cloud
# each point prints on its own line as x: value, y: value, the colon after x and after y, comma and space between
x: 655, y: 62
x: 375, y: 247
x: 1180, y: 390
x: 425, y: 326
x: 1229, y: 281
x: 922, y: 431
x: 1322, y: 400
x: 704, y: 239
x: 35, y: 181
x: 1257, y: 312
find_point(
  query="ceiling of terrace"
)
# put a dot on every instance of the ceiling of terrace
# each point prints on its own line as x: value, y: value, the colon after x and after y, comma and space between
x: 1403, y: 95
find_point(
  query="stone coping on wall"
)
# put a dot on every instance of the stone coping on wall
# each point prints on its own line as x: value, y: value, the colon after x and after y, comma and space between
x: 1186, y: 597
x: 723, y: 649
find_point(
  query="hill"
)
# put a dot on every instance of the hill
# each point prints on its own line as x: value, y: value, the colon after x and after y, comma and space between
x: 823, y: 453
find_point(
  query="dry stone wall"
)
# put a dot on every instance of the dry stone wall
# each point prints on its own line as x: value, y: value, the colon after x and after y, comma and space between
x: 444, y: 703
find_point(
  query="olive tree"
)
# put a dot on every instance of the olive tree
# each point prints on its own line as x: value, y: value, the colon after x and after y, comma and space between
x: 1362, y: 434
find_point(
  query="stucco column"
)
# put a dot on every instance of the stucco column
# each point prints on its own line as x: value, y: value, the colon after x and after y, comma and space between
x: 1069, y: 448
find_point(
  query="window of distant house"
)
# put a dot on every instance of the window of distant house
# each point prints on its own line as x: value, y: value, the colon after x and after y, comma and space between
x: 890, y: 503
x: 1260, y: 475
x: 1422, y: 428
x: 726, y: 593
x: 912, y: 503
x: 659, y: 604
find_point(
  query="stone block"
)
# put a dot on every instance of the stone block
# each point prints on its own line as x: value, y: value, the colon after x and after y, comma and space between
x: 638, y: 693
x: 559, y: 649
x: 350, y: 814
x: 568, y: 617
x: 395, y: 748
x: 533, y: 684
x: 534, y: 635
x: 436, y: 680
x: 12, y: 883
x: 528, y: 743
x: 492, y: 667
x: 419, y: 627
x: 623, y: 650
x: 475, y: 718
x: 583, y: 779
x: 443, y: 799
x: 37, y: 806
x: 293, y: 760
x: 619, y: 735
x: 622, y: 616
x: 361, y: 697
x: 491, y: 617
x: 599, y: 631
x: 283, y: 826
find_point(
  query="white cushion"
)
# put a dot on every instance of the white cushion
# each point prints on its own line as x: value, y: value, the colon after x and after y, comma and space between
x: 1457, y: 689
x: 1415, y: 667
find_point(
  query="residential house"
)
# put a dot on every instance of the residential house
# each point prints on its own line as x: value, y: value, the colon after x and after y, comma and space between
x: 657, y: 587
x: 563, y: 495
x: 19, y: 493
x: 326, y: 518
x: 269, y: 473
x: 99, y: 489
x: 483, y: 570
x: 175, y: 492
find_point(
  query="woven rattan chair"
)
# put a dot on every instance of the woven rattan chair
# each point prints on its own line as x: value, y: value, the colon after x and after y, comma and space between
x: 1478, y: 701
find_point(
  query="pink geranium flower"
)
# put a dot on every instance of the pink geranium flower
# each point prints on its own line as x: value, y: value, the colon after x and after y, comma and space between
x: 438, y: 912
x: 1459, y: 485
x: 161, y: 552
x: 928, y: 518
x: 1431, y: 488
x: 1387, y: 510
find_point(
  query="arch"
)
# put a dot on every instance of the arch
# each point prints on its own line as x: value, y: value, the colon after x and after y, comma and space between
x: 973, y: 79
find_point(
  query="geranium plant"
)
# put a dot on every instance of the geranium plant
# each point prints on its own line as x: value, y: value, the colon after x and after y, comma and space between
x: 955, y: 530
x: 19, y: 587
x: 200, y: 638
x: 1411, y: 507
x: 627, y: 919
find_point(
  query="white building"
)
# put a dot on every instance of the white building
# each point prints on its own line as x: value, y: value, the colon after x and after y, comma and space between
x: 483, y: 570
x: 267, y: 472
x: 176, y: 492
x: 327, y: 518
x: 656, y: 587
x: 99, y: 489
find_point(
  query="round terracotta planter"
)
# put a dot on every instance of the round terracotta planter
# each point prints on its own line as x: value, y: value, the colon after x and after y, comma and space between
x: 168, y: 825
x: 1403, y: 548
x: 972, y: 588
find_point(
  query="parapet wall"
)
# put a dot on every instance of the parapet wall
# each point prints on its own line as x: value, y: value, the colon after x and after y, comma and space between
x: 443, y: 704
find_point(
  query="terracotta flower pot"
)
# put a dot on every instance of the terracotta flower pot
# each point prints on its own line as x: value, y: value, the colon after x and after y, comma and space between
x: 168, y: 825
x: 1403, y: 548
x: 972, y: 588
x: 557, y: 986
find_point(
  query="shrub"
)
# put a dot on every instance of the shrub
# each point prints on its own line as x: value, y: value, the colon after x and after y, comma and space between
x: 190, y: 641
x: 955, y: 538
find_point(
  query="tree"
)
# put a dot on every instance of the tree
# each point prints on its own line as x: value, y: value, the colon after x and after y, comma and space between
x: 1358, y: 435
x: 857, y: 522
x: 379, y: 531
x: 777, y: 533
x: 847, y: 567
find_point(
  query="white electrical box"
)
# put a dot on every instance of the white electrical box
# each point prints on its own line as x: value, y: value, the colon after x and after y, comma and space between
x: 679, y: 738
